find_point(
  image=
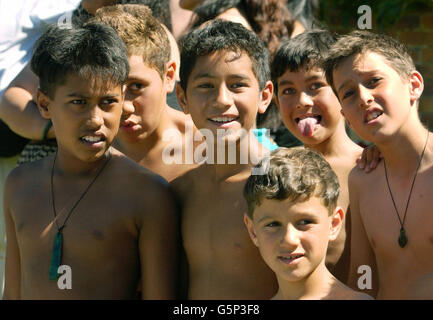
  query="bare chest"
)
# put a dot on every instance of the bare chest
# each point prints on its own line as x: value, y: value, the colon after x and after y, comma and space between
x: 383, y: 222
x: 212, y: 220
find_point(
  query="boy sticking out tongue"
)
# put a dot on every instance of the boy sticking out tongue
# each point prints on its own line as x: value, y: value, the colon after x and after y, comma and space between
x: 311, y: 111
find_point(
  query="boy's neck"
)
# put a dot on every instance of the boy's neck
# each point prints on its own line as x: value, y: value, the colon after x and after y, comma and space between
x: 408, y: 144
x: 336, y: 145
x: 313, y: 287
x: 139, y: 149
x: 248, y: 152
x: 70, y: 166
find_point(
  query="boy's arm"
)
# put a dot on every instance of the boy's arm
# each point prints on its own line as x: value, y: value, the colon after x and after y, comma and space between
x: 18, y: 109
x: 13, y: 264
x: 361, y: 252
x: 158, y: 245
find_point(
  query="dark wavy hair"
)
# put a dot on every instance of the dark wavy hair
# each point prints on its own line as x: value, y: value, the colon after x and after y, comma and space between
x: 93, y: 52
x: 222, y: 35
x: 271, y: 20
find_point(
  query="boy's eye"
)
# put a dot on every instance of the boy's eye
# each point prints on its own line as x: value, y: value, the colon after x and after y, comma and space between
x: 273, y: 224
x: 347, y: 94
x: 78, y: 101
x: 238, y: 85
x: 108, y: 101
x: 373, y: 81
x: 205, y: 85
x: 135, y: 86
x: 305, y: 222
x: 316, y: 85
x: 289, y: 91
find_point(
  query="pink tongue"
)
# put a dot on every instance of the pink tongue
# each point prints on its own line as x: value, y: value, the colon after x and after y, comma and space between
x: 306, y: 126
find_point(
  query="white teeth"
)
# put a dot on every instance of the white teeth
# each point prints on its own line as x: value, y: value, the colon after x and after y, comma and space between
x: 222, y: 119
x: 92, y: 139
x: 373, y: 115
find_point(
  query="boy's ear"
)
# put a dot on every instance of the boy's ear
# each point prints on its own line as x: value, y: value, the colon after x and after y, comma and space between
x: 181, y: 98
x: 336, y: 223
x: 266, y: 96
x: 250, y: 227
x: 416, y: 86
x: 170, y: 75
x: 43, y: 103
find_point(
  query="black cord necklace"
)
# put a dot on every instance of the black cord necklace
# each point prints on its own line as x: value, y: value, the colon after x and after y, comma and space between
x: 402, y: 239
x: 56, y: 256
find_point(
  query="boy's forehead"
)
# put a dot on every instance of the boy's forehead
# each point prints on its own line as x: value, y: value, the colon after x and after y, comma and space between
x: 88, y: 86
x: 211, y: 63
x: 304, y: 73
x: 138, y: 67
x: 286, y: 208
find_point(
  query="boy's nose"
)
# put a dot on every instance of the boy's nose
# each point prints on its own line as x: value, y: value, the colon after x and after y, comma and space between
x: 304, y: 100
x: 365, y: 97
x: 96, y: 118
x: 291, y: 237
x: 127, y: 109
x: 224, y: 97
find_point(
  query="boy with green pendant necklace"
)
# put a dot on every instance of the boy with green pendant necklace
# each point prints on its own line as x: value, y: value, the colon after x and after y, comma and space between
x: 116, y: 235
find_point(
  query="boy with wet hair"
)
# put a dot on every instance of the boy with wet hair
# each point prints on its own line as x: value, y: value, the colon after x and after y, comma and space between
x: 311, y: 112
x: 92, y: 220
x: 151, y: 130
x: 292, y: 215
x: 224, y: 82
x: 378, y: 86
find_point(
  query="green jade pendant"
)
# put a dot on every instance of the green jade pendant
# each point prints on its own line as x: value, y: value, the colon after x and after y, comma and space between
x: 56, y: 255
x: 402, y: 239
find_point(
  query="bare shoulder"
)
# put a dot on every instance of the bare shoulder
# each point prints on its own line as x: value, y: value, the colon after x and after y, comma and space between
x: 358, y: 177
x: 183, y: 184
x: 137, y: 185
x: 26, y: 175
x: 343, y: 292
x: 356, y: 295
x: 180, y: 119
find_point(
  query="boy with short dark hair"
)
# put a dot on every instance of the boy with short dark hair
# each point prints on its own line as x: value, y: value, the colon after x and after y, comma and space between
x: 378, y: 86
x: 91, y: 218
x: 151, y: 130
x: 224, y: 82
x: 311, y: 112
x: 292, y: 215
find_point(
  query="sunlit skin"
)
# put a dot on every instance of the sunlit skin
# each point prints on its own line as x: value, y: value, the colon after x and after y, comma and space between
x: 292, y: 238
x: 223, y: 263
x: 306, y: 94
x: 381, y: 106
x: 80, y: 110
x: 147, y: 118
x: 113, y: 233
x: 223, y: 84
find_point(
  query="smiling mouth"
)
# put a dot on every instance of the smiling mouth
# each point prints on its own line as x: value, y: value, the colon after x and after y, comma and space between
x: 223, y: 120
x: 373, y: 115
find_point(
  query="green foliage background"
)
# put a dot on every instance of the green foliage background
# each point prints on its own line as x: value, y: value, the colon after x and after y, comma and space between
x: 385, y: 12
